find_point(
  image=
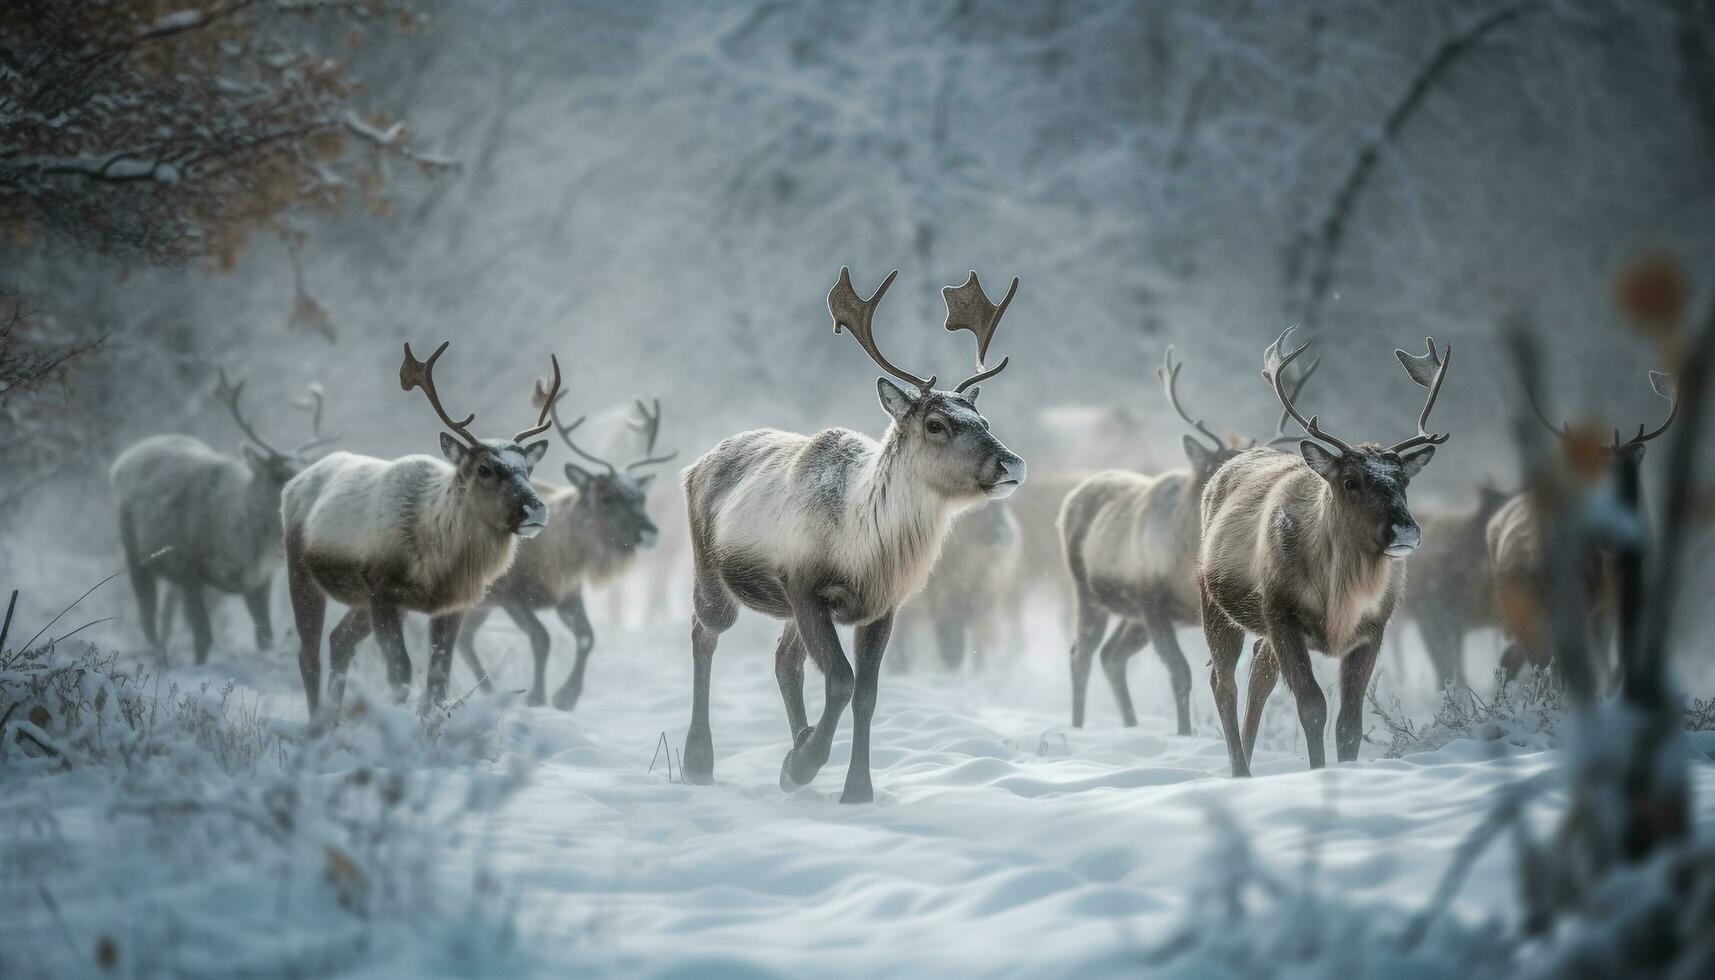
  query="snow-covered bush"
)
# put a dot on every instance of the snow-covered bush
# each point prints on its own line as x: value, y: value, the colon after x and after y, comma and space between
x: 1523, y: 713
x: 286, y: 852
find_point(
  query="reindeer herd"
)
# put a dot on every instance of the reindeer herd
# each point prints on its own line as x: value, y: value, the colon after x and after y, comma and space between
x: 1306, y: 546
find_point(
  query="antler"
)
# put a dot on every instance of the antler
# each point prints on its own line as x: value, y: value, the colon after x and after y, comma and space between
x: 968, y: 308
x: 541, y: 399
x: 1168, y: 372
x: 229, y: 394
x: 1273, y: 370
x: 548, y: 396
x: 1664, y: 386
x: 1428, y: 371
x: 312, y: 402
x: 854, y: 313
x: 650, y: 427
x: 1297, y: 386
x: 421, y: 374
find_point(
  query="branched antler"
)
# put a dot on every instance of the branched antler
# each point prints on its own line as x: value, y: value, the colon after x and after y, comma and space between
x: 1274, y: 366
x: 649, y: 425
x: 854, y: 313
x: 968, y: 308
x: 1660, y: 382
x: 1427, y: 371
x: 312, y: 402
x: 1168, y: 373
x: 421, y: 374
x: 229, y: 395
x: 548, y: 396
x: 1297, y: 384
x: 551, y: 404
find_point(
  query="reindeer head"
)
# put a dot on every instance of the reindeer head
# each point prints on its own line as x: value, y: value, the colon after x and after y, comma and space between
x: 940, y: 433
x: 1367, y: 482
x: 271, y: 467
x: 1630, y: 453
x: 491, y: 475
x: 618, y: 497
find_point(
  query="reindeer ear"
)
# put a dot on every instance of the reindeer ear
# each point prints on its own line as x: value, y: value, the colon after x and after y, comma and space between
x: 1199, y: 455
x: 1414, y: 462
x: 644, y: 481
x: 452, y: 448
x: 1320, y: 460
x: 255, y: 457
x: 578, y: 477
x: 534, y: 452
x: 971, y: 396
x: 893, y: 398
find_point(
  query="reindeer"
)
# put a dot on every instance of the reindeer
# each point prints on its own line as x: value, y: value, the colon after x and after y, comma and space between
x: 1130, y: 546
x: 414, y: 533
x: 602, y: 519
x: 200, y: 519
x: 1515, y: 550
x: 1452, y: 589
x: 1308, y: 552
x: 838, y: 528
x: 964, y: 601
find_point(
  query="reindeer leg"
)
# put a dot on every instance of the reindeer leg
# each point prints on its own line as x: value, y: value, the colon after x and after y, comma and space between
x: 1265, y: 673
x: 342, y: 644
x: 1092, y: 625
x: 577, y: 619
x: 443, y: 633
x: 1444, y: 641
x: 309, y: 610
x: 1294, y: 659
x: 537, y: 634
x: 1225, y: 641
x: 713, y: 613
x: 868, y: 644
x: 950, y: 637
x: 1166, y: 640
x: 1355, y: 672
x: 256, y: 600
x: 143, y: 582
x: 1128, y: 638
x: 468, y: 629
x: 196, y: 613
x: 810, y: 750
x: 789, y: 672
x: 389, y: 624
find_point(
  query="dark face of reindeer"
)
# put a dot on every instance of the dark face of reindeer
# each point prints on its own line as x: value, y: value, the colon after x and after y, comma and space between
x: 1205, y: 461
x: 620, y: 504
x: 1368, y: 486
x: 495, y: 479
x: 952, y: 441
x: 272, y: 469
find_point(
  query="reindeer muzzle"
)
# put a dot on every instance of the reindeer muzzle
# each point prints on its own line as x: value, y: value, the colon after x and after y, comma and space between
x: 1010, y: 478
x: 1406, y: 538
x: 532, y: 518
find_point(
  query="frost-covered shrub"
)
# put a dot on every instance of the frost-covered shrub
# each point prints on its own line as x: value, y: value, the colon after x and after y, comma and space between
x: 74, y: 706
x: 287, y: 852
x: 1524, y: 713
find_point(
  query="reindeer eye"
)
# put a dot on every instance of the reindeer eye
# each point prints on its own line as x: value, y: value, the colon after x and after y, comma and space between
x: 1350, y: 484
x: 936, y: 427
x: 485, y: 470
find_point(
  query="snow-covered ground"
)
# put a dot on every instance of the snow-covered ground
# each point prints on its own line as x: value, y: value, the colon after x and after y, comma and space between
x: 1001, y: 842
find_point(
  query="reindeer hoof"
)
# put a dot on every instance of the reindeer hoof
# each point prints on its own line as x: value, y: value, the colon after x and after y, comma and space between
x: 565, y: 699
x: 789, y: 778
x: 535, y: 699
x: 858, y: 794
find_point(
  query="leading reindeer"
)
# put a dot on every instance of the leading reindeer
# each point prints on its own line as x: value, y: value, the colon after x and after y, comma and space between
x: 1308, y: 551
x: 411, y: 534
x: 838, y: 528
x: 203, y: 520
x: 1130, y: 547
